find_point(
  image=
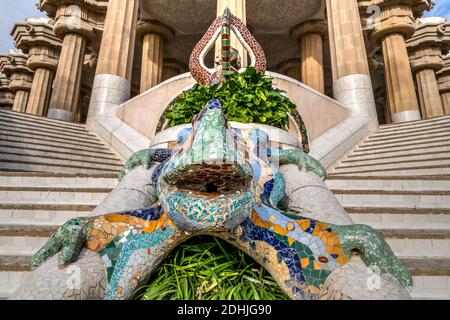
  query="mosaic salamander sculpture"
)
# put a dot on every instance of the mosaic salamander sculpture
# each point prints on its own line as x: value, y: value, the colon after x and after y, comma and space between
x: 218, y: 181
x: 227, y: 182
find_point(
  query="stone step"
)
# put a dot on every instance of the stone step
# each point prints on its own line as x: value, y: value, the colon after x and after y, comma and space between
x: 402, y: 221
x: 417, y: 158
x: 409, y: 165
x: 58, y: 175
x: 5, y: 157
x: 26, y: 126
x: 418, y: 133
x: 40, y: 166
x: 52, y: 142
x: 431, y: 287
x: 396, y: 150
x: 86, y: 196
x: 58, y: 147
x: 43, y: 120
x: 9, y: 282
x: 33, y: 154
x: 394, y: 155
x: 443, y: 136
x: 37, y: 137
x: 393, y: 171
x: 401, y: 145
x: 419, y: 199
x: 38, y: 217
x: 37, y: 151
x: 415, y: 124
x: 47, y: 206
x: 56, y: 181
x: 20, y: 245
x: 389, y: 183
x: 412, y: 129
x: 36, y: 167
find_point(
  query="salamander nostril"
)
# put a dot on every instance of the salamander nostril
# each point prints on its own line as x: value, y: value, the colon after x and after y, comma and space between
x: 211, y: 188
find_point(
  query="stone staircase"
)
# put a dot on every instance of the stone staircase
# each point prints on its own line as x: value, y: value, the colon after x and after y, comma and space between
x: 398, y: 181
x: 29, y: 143
x: 50, y: 171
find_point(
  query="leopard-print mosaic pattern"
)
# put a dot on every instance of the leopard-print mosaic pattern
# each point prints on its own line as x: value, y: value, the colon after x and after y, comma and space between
x: 247, y: 37
x: 203, y: 75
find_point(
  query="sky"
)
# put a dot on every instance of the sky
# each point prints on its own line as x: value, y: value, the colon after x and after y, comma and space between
x: 12, y: 11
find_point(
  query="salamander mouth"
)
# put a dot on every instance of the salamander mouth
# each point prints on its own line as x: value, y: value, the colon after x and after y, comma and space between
x: 210, y: 179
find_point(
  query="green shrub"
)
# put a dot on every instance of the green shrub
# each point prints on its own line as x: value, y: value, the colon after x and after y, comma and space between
x: 247, y: 97
x: 207, y: 268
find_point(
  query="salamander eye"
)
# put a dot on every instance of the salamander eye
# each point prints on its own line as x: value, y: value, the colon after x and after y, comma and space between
x: 323, y: 259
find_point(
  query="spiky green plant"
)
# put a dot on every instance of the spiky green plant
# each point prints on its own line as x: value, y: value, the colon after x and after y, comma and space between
x: 207, y: 268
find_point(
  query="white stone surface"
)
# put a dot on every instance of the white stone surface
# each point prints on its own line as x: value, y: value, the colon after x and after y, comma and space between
x: 308, y: 194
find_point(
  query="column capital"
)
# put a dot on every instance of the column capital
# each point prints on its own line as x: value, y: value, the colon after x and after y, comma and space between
x: 291, y: 68
x: 6, y: 96
x: 288, y: 64
x: 175, y: 64
x: 394, y: 17
x: 36, y: 38
x: 14, y: 66
x: 172, y: 67
x: 154, y: 27
x: 426, y: 46
x: 83, y: 17
x: 319, y: 27
x: 443, y: 76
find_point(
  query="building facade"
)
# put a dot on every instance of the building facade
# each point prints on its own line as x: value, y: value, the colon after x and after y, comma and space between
x: 78, y: 48
x: 89, y: 84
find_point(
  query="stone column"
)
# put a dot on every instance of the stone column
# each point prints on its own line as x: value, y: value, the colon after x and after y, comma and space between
x: 444, y: 84
x: 40, y: 92
x: 36, y: 38
x: 77, y: 23
x: 14, y: 65
x: 6, y: 96
x: 430, y: 99
x: 239, y: 9
x: 425, y: 48
x: 291, y: 68
x: 154, y: 35
x: 397, y: 23
x: 112, y: 83
x: 352, y: 85
x: 66, y: 90
x: 172, y: 68
x: 310, y: 34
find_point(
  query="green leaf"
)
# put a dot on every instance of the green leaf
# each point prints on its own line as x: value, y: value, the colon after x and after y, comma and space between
x: 246, y: 97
